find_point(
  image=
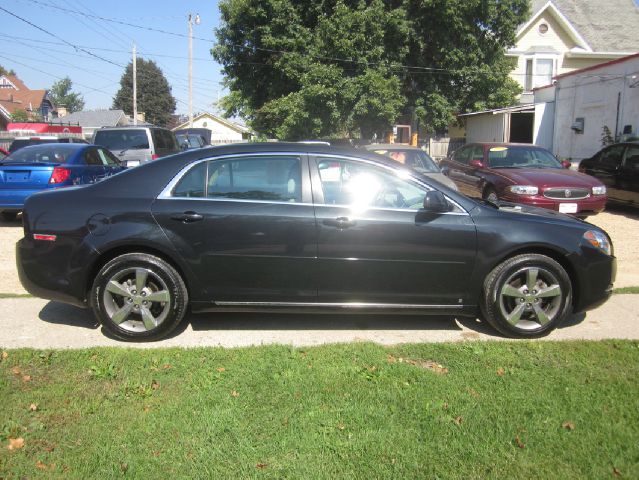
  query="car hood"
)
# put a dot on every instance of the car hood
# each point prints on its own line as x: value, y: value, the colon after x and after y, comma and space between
x: 546, y: 178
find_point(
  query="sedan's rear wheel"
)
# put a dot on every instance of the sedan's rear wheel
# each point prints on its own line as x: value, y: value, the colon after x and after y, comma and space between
x: 527, y: 296
x: 139, y: 297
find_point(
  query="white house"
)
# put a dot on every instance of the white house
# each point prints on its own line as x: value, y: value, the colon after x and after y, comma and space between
x: 566, y: 35
x: 560, y: 37
x: 222, y: 130
x: 592, y: 98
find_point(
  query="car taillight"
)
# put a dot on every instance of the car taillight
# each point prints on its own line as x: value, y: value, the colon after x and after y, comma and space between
x: 60, y: 175
x: 154, y: 156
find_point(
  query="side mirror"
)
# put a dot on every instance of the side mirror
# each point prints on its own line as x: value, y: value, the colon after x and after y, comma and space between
x: 566, y: 164
x: 445, y: 171
x: 436, y: 202
x: 477, y: 163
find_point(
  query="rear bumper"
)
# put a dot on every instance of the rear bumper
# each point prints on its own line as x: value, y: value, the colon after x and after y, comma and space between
x: 44, y: 273
x: 14, y: 199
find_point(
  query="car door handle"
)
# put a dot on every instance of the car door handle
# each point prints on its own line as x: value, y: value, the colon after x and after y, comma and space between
x: 187, y: 217
x: 339, y: 222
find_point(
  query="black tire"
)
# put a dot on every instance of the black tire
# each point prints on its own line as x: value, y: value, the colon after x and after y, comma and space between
x: 9, y: 216
x: 490, y: 195
x: 532, y: 313
x: 150, y: 314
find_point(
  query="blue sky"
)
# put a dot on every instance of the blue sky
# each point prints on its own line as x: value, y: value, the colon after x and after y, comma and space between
x: 40, y: 59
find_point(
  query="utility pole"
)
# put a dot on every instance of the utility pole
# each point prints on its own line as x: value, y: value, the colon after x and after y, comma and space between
x: 135, y: 89
x: 192, y: 20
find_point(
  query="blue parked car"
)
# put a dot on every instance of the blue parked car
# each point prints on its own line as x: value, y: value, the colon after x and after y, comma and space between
x: 51, y: 165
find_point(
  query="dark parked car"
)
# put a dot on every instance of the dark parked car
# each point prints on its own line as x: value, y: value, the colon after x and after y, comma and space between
x: 189, y: 141
x: 291, y: 226
x: 20, y: 142
x: 205, y: 133
x: 51, y: 165
x: 617, y: 166
x: 524, y: 174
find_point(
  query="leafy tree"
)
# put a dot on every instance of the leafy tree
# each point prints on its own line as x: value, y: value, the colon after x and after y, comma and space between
x: 20, y: 115
x: 315, y: 68
x: 61, y: 94
x: 154, y: 93
x: 606, y: 137
x: 4, y: 71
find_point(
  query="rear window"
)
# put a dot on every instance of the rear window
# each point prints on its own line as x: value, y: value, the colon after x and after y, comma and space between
x: 129, y: 139
x: 56, y: 153
x: 164, y: 140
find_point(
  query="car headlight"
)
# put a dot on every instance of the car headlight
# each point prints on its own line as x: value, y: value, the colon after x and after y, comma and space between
x: 601, y: 190
x: 524, y: 189
x: 598, y: 240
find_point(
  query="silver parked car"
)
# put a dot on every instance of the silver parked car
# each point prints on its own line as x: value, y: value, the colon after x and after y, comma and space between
x: 135, y: 145
x: 412, y: 157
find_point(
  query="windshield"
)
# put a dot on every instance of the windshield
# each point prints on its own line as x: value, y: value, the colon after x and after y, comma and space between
x: 521, y: 157
x: 417, y: 159
x: 55, y: 153
x: 128, y: 139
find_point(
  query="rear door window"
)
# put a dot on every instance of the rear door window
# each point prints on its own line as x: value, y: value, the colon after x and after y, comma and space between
x: 268, y: 178
x: 92, y: 157
x: 192, y: 184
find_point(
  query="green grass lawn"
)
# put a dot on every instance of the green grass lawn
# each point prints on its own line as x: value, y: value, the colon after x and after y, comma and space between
x: 466, y: 410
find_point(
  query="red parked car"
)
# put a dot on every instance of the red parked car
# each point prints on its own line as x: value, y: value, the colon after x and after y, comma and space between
x: 524, y: 174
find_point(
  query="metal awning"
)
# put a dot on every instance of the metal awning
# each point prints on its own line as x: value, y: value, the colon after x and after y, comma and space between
x: 527, y: 108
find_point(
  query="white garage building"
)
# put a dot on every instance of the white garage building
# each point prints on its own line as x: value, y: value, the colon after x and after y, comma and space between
x: 592, y: 100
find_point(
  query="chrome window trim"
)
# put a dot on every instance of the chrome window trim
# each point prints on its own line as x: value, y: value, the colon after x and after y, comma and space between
x: 165, y: 194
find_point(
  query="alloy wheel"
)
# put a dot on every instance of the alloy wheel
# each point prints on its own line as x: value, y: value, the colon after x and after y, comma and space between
x: 530, y: 298
x: 137, y: 299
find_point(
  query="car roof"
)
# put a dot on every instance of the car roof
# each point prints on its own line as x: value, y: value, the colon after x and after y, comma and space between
x: 57, y: 146
x: 390, y: 146
x: 292, y: 147
x: 505, y: 144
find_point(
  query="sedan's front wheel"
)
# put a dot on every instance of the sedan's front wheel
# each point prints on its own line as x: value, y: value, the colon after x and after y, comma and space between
x: 527, y: 296
x: 139, y: 297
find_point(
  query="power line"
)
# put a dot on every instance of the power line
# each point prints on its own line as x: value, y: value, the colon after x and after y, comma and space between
x: 59, y: 38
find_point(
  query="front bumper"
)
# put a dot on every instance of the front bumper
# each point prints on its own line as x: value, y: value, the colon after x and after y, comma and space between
x: 590, y: 205
x: 595, y: 276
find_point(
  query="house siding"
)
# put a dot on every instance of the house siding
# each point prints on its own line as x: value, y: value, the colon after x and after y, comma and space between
x: 594, y: 95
